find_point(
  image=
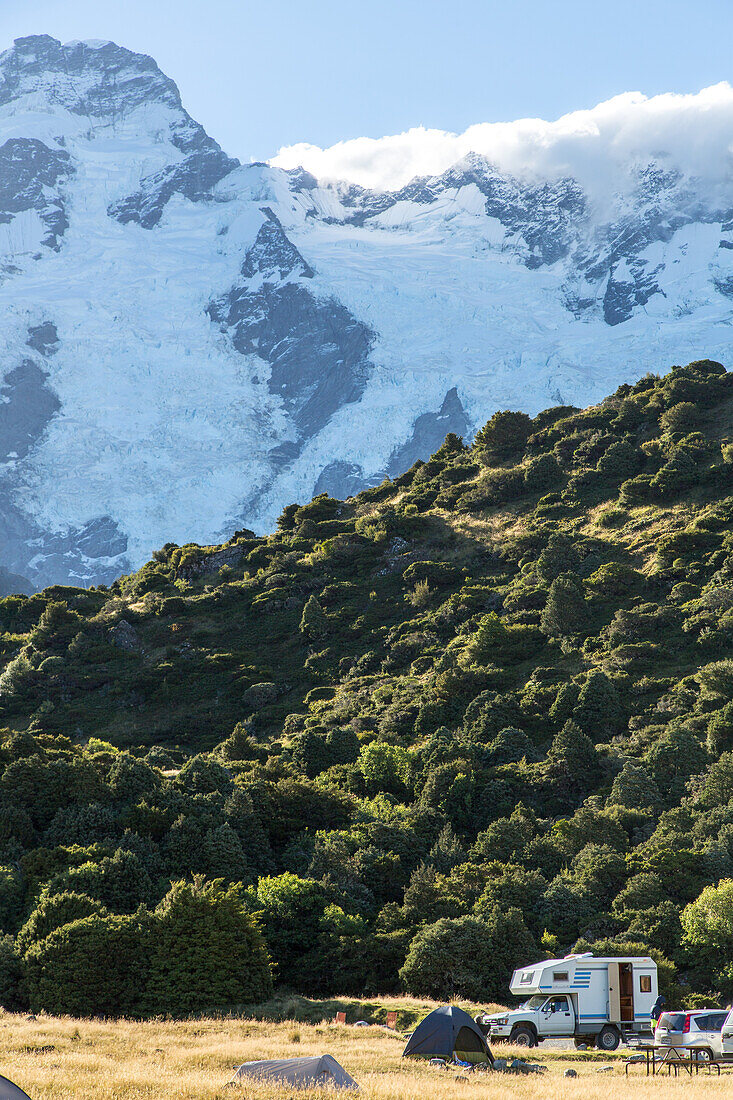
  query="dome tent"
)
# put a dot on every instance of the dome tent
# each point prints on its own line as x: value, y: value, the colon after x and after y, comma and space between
x: 299, y: 1073
x: 447, y: 1031
x: 9, y: 1091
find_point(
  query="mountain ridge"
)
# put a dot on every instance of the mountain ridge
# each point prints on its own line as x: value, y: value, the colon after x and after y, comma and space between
x: 229, y: 337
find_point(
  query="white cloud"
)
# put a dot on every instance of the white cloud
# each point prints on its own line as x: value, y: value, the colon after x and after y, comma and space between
x: 691, y: 132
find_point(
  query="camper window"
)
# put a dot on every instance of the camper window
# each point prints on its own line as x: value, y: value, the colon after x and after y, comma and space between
x: 645, y: 983
x: 560, y: 976
x: 528, y: 978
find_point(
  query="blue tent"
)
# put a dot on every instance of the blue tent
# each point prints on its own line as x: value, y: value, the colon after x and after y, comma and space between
x: 447, y: 1031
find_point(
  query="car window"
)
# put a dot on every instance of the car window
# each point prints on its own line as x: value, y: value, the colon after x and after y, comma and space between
x: 673, y: 1021
x: 709, y: 1021
x: 557, y: 1004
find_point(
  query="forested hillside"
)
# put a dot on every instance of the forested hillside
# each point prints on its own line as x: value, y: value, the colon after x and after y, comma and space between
x: 479, y: 713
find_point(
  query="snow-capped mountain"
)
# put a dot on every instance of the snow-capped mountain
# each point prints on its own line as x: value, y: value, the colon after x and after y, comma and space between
x: 187, y: 344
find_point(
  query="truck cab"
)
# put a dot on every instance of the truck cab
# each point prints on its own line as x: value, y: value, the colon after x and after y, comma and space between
x: 540, y: 1017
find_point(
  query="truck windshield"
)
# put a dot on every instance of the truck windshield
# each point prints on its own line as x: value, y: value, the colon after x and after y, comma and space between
x: 533, y: 1002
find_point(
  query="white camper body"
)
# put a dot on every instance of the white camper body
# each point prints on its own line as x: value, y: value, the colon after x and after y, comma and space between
x: 582, y: 997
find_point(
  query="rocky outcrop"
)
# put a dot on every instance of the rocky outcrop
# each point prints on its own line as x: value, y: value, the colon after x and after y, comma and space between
x: 31, y: 175
x: 194, y: 177
x: 317, y: 351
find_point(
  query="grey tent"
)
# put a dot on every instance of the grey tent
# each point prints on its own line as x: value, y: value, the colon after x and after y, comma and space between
x: 300, y: 1073
x: 9, y: 1091
x: 447, y: 1031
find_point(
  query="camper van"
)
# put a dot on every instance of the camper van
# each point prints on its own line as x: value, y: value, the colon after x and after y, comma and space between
x: 580, y: 997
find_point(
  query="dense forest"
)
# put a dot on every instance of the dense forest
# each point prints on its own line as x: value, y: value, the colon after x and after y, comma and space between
x: 478, y: 714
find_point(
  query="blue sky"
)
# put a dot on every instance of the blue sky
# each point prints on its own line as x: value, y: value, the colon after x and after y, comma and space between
x: 276, y: 72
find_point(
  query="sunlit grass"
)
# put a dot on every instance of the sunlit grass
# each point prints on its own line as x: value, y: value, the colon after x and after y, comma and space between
x: 107, y: 1060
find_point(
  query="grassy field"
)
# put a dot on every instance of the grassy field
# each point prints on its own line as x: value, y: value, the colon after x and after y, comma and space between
x: 65, y: 1058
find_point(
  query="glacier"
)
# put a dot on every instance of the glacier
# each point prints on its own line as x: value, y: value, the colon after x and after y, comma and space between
x: 187, y: 343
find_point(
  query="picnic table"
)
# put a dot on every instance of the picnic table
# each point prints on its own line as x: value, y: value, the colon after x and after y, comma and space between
x: 656, y: 1059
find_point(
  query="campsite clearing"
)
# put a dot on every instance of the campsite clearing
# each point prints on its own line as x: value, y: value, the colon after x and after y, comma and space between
x: 66, y: 1059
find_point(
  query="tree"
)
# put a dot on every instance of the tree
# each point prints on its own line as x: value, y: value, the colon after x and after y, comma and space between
x: 204, y: 775
x: 310, y: 753
x: 565, y: 611
x: 94, y: 966
x: 503, y: 436
x: 120, y: 882
x: 511, y: 886
x: 575, y: 753
x: 558, y: 557
x: 385, y: 767
x: 717, y: 788
x: 674, y: 757
x: 313, y: 623
x: 680, y: 419
x: 620, y: 460
x: 634, y: 788
x: 488, y: 637
x: 468, y: 957
x: 447, y: 852
x: 542, y: 473
x: 12, y: 995
x: 291, y: 909
x: 54, y: 910
x: 707, y: 922
x: 599, y: 711
x: 720, y: 730
x: 208, y: 951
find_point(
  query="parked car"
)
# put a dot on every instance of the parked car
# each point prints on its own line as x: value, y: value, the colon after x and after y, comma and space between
x: 727, y: 1036
x: 699, y: 1031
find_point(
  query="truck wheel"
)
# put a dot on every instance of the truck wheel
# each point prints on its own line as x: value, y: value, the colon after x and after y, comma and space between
x: 524, y: 1037
x: 608, y: 1039
x: 705, y: 1054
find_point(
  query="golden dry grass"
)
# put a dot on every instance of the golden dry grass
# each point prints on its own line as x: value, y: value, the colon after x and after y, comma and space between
x: 63, y: 1058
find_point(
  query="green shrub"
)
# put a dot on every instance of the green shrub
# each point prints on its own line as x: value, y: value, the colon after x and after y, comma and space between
x: 12, y: 992
x: 54, y: 910
x: 207, y: 953
x: 313, y: 623
x: 468, y: 957
x: 565, y: 611
x: 621, y: 460
x: 503, y: 436
x: 542, y: 473
x: 95, y: 966
x: 439, y: 574
x: 680, y: 419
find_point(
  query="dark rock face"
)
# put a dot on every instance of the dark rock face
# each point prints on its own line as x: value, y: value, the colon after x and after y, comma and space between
x: 27, y: 404
x: 32, y: 558
x: 428, y: 433
x: 317, y: 351
x: 29, y: 170
x: 11, y: 584
x: 91, y: 553
x: 272, y: 255
x: 342, y: 480
x: 193, y: 178
x: 43, y: 338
